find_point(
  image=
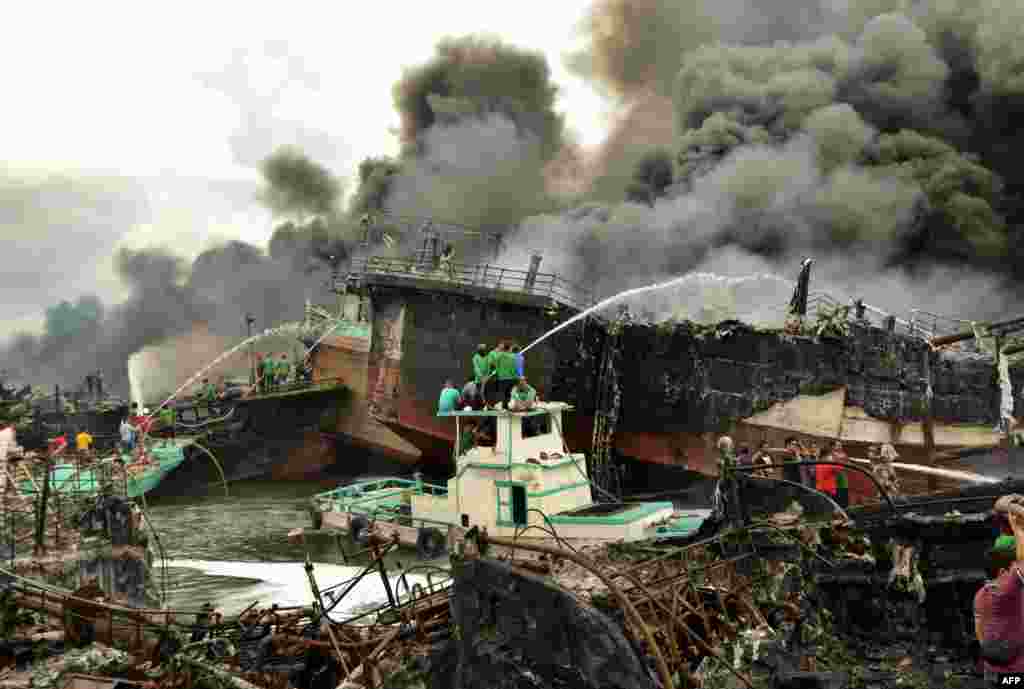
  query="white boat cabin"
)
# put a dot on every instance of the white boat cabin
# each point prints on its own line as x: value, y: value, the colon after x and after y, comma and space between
x: 527, y: 478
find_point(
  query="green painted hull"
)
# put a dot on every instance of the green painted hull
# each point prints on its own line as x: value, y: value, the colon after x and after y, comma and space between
x: 65, y: 479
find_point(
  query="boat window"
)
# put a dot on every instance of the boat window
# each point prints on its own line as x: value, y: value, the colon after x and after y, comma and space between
x: 534, y: 426
x: 519, y: 505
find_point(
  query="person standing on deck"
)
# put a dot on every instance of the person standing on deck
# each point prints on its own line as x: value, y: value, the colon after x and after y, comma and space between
x: 825, y: 476
x: 883, y: 471
x: 807, y: 474
x: 99, y: 385
x: 447, y: 261
x: 258, y: 372
x: 83, y: 442
x: 791, y: 472
x: 127, y: 435
x: 449, y: 400
x: 481, y: 367
x: 284, y: 370
x: 493, y: 394
x: 269, y: 372
x: 208, y: 394
x: 842, y: 482
x: 519, y: 360
x: 167, y: 418
x: 763, y: 458
x: 505, y: 372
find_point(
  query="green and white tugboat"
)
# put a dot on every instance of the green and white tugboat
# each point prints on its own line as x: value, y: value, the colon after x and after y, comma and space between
x: 523, y: 478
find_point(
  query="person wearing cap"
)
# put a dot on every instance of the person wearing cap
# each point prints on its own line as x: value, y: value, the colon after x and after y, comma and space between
x: 999, y: 604
x: 523, y: 396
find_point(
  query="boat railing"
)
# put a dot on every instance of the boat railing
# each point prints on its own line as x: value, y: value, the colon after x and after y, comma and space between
x: 548, y: 285
x: 360, y: 490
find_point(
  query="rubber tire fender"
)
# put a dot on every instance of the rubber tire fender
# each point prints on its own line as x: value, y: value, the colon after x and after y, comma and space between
x: 358, y: 529
x: 316, y: 517
x: 430, y: 543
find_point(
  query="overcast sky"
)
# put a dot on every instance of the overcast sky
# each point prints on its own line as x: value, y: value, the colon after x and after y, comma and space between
x: 140, y: 123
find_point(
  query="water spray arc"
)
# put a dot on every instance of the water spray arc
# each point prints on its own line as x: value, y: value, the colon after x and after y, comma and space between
x: 270, y: 332
x: 681, y: 280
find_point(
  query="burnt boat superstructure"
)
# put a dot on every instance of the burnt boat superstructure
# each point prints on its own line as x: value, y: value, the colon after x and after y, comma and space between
x: 652, y: 397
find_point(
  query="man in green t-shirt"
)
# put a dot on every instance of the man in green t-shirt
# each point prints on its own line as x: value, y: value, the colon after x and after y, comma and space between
x: 167, y: 419
x: 505, y: 372
x: 523, y: 395
x: 449, y: 400
x: 269, y: 371
x: 481, y: 365
x: 492, y: 395
x: 284, y: 370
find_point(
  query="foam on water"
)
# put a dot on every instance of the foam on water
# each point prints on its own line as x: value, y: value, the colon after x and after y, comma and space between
x: 286, y: 584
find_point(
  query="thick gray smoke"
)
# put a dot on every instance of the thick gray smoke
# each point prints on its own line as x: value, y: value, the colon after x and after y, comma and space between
x: 212, y: 296
x: 833, y: 146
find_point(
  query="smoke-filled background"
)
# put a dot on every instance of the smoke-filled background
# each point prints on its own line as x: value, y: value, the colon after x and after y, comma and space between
x: 878, y: 136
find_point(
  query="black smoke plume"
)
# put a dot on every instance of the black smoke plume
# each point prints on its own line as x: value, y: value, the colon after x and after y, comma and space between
x: 169, y: 298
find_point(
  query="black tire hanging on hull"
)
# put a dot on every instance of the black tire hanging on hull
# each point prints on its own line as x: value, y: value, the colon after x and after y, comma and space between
x: 359, y: 529
x: 430, y: 543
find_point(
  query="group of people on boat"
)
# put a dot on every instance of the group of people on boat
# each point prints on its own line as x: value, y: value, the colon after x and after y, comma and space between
x: 275, y: 371
x: 498, y: 382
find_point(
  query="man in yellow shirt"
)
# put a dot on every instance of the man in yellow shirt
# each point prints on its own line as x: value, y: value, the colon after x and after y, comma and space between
x: 83, y: 442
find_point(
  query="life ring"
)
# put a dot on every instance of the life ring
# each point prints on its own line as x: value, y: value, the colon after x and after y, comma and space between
x: 317, y: 517
x: 358, y: 529
x: 430, y: 543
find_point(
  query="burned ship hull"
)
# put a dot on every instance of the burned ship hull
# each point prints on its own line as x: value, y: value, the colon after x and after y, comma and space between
x: 661, y: 393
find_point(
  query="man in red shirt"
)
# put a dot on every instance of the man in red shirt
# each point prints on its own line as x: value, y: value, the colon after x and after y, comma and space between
x: 998, y: 611
x: 826, y: 475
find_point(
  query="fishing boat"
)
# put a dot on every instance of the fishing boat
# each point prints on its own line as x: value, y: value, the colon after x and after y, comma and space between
x: 139, y: 476
x: 524, y: 485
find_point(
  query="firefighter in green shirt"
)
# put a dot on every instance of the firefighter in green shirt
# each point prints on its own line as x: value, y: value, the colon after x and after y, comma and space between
x: 209, y: 392
x: 284, y: 370
x: 269, y: 371
x: 524, y: 396
x: 505, y: 372
x: 168, y: 419
x: 208, y: 395
x: 481, y: 365
x: 481, y: 370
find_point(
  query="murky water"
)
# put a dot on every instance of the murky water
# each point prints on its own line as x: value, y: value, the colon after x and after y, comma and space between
x: 234, y: 551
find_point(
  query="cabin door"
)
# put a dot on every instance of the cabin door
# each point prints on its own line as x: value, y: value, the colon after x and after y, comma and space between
x: 519, y: 505
x: 512, y: 507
